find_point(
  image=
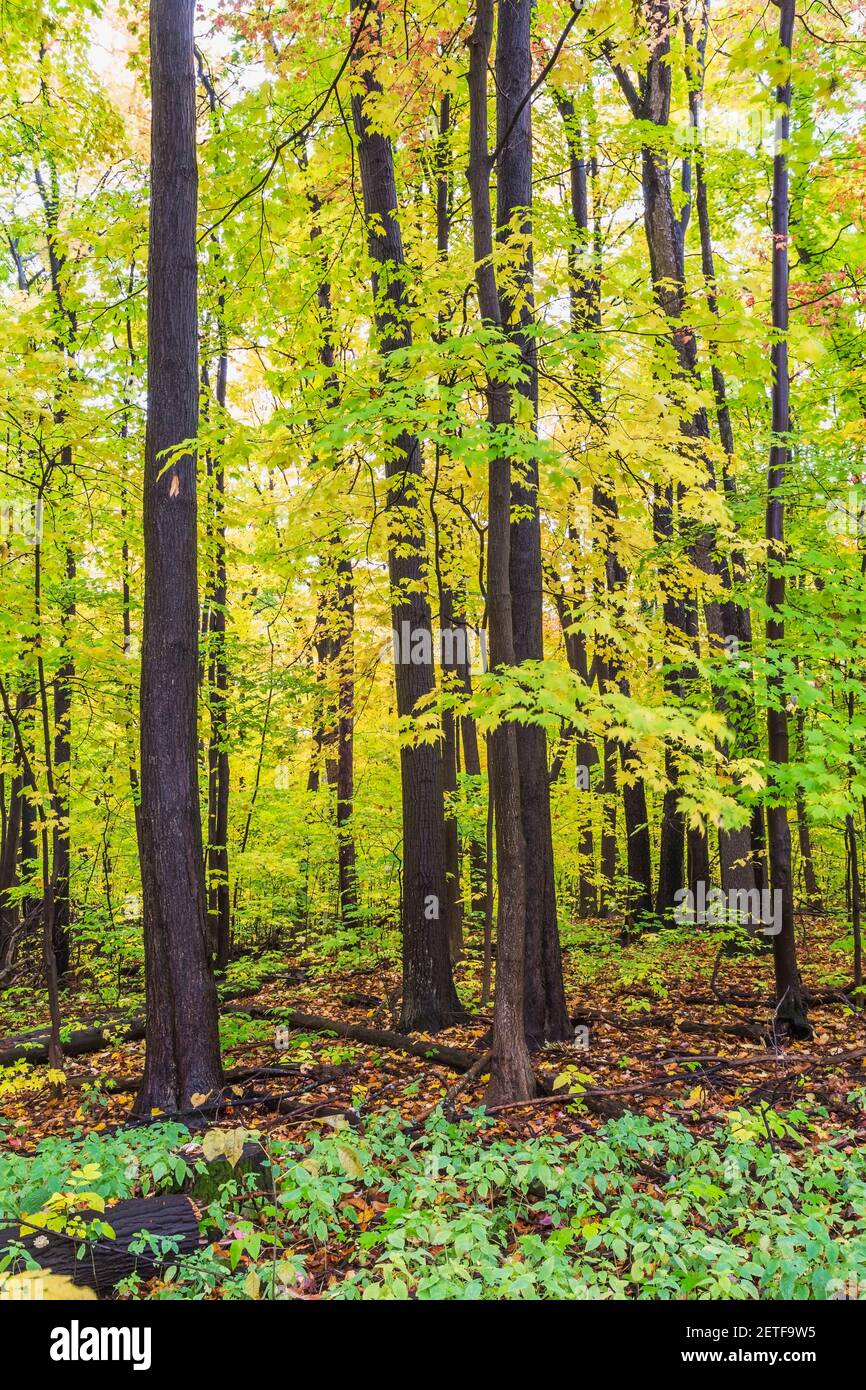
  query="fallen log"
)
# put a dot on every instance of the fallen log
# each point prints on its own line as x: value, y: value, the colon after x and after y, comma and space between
x: 102, y: 1262
x: 33, y: 1047
x: 456, y: 1057
x: 625, y: 1025
x: 124, y: 1085
x: 750, y: 1032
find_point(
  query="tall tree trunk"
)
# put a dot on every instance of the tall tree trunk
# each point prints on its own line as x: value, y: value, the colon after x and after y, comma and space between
x: 65, y: 334
x: 790, y: 1004
x: 447, y: 614
x: 9, y: 863
x: 855, y: 897
x: 608, y: 830
x: 429, y: 998
x: 345, y: 778
x: 27, y: 847
x: 452, y: 602
x: 729, y: 621
x: 650, y: 103
x: 545, y: 1009
x: 585, y: 296
x: 219, y: 783
x: 478, y: 854
x: 334, y: 712
x: 218, y: 897
x: 61, y: 859
x: 55, y: 1054
x: 804, y: 835
x: 585, y: 753
x: 450, y: 754
x: 182, y: 1054
x: 49, y: 925
x: 511, y: 1076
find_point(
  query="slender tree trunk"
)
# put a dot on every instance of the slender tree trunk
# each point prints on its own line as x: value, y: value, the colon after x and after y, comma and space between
x: 447, y: 614
x: 27, y: 846
x: 125, y: 584
x: 126, y: 617
x: 790, y: 1004
x: 61, y: 858
x: 19, y: 844
x: 638, y: 847
x: 345, y: 781
x: 182, y: 1055
x: 855, y: 897
x: 729, y: 621
x: 545, y: 1009
x: 608, y: 830
x: 450, y: 736
x: 55, y: 1053
x: 804, y: 836
x: 585, y: 295
x: 584, y: 300
x: 218, y: 897
x: 650, y: 103
x: 219, y: 774
x: 429, y: 998
x: 487, y: 966
x: 511, y: 1076
x: 804, y: 840
x: 335, y: 714
x: 49, y: 921
x: 9, y: 861
x: 478, y: 866
x: 65, y: 334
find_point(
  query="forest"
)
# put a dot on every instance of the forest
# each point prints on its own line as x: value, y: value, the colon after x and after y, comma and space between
x: 432, y: 681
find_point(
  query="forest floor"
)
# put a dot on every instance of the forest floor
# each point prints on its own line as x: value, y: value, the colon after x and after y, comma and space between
x: 675, y: 1050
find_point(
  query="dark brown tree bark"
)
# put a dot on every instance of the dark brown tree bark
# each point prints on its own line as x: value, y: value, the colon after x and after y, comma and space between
x: 429, y: 998
x: 182, y: 1054
x: 101, y: 1264
x: 511, y: 1076
x: 545, y: 1009
x: 790, y: 1002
